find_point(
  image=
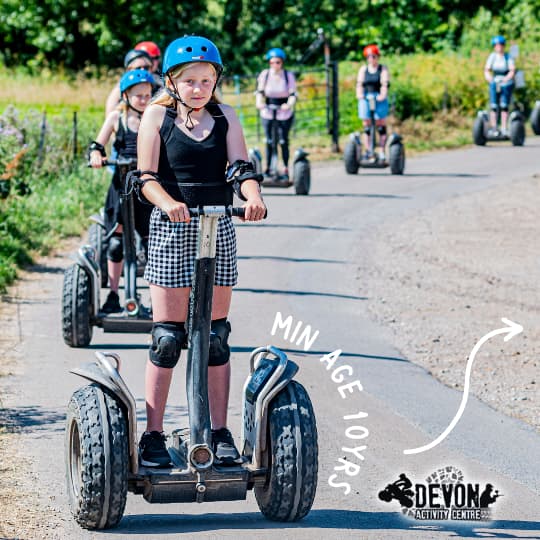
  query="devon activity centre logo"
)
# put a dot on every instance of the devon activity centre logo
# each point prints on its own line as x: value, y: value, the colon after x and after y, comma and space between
x: 443, y: 496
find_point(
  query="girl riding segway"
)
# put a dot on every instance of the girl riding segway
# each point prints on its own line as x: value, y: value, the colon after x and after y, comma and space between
x: 186, y: 140
x: 122, y: 124
x: 499, y: 72
x: 372, y: 83
x: 275, y: 99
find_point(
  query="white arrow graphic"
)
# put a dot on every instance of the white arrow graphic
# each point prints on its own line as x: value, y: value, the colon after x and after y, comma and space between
x: 513, y: 329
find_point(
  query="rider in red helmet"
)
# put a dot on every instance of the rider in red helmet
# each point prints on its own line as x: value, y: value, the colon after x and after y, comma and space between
x: 373, y: 80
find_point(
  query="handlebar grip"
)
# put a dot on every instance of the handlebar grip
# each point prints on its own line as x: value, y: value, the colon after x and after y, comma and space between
x: 233, y: 211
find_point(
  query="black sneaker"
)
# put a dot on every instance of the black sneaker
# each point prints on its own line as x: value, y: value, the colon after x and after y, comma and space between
x: 152, y: 450
x: 112, y: 304
x: 225, y: 452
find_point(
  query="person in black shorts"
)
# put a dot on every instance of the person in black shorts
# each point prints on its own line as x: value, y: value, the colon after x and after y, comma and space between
x: 186, y: 140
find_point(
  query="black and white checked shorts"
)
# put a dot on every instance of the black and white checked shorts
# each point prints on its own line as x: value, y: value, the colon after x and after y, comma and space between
x: 172, y: 250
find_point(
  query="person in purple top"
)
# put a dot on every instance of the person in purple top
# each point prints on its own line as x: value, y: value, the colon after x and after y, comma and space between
x: 277, y: 86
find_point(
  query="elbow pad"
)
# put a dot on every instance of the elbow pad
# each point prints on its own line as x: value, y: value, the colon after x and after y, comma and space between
x: 134, y: 181
x: 239, y: 172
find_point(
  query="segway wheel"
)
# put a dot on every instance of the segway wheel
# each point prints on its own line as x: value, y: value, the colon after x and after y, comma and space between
x: 517, y: 132
x: 292, y: 455
x: 350, y: 158
x: 95, y: 239
x: 397, y: 158
x: 301, y: 177
x: 76, y: 307
x: 96, y: 452
x: 535, y: 120
x: 479, y: 137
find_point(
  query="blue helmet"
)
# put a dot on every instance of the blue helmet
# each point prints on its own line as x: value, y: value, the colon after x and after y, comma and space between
x: 136, y: 76
x: 276, y: 52
x: 498, y: 40
x: 191, y: 49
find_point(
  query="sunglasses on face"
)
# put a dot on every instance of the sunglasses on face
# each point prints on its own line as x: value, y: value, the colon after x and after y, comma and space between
x: 372, y: 56
x: 276, y: 62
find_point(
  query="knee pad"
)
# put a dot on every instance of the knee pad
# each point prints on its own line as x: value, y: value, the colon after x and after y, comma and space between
x: 115, y: 251
x: 494, y: 107
x: 219, y: 352
x: 367, y: 130
x: 381, y: 130
x: 504, y: 108
x: 168, y: 338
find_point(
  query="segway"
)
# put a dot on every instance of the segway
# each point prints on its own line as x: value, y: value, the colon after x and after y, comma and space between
x: 278, y: 439
x: 301, y: 176
x: 482, y: 132
x: 354, y: 157
x: 84, y: 279
x: 535, y: 118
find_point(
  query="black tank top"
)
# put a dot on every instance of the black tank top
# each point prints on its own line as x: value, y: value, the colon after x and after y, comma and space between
x: 194, y: 171
x: 372, y: 81
x: 125, y: 142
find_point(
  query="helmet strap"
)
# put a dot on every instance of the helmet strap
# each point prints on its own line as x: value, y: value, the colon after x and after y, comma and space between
x: 130, y: 106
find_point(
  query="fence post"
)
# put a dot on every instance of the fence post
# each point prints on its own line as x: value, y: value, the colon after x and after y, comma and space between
x: 41, y: 145
x: 335, y: 107
x: 75, y: 137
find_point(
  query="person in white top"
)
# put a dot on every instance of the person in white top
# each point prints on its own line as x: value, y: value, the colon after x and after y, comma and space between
x: 276, y: 87
x: 499, y: 72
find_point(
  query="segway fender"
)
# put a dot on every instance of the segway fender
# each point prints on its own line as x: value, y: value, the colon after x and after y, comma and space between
x: 105, y: 374
x: 99, y: 219
x: 271, y: 371
x: 516, y: 115
x: 395, y: 138
x: 300, y: 155
x: 87, y: 259
x: 256, y: 158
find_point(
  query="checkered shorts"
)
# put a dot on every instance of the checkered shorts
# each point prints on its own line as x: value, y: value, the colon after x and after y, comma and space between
x: 173, y: 248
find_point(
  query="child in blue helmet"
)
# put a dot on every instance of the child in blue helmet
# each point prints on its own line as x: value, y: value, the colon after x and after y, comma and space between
x: 277, y: 86
x: 122, y: 124
x: 186, y: 140
x: 499, y: 71
x: 134, y: 59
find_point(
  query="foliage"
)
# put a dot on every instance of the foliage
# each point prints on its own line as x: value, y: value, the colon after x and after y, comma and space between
x: 74, y: 34
x: 58, y: 193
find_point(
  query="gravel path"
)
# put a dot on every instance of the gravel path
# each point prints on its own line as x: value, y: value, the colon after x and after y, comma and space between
x: 447, y: 276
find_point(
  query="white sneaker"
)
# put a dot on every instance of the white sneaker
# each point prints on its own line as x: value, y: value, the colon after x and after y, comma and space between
x: 381, y: 156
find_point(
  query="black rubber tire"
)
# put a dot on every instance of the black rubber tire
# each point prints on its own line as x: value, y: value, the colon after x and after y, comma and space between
x: 350, y: 158
x: 479, y: 137
x: 301, y: 177
x: 535, y: 120
x: 96, y: 233
x: 97, y: 458
x: 397, y: 158
x: 293, y: 457
x: 76, y: 307
x: 517, y: 132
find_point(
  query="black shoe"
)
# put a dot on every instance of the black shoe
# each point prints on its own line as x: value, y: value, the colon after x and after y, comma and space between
x: 152, y: 450
x: 225, y: 452
x: 112, y: 304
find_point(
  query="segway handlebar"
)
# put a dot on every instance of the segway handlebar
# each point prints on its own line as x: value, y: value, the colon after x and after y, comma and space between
x: 122, y: 162
x: 231, y: 211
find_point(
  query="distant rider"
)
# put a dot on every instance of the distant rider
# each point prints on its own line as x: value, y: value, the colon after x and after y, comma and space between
x: 373, y: 81
x: 276, y: 86
x: 499, y: 72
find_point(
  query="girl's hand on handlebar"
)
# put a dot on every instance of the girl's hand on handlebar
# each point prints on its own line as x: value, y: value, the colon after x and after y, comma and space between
x: 96, y: 159
x: 177, y: 211
x: 255, y: 209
